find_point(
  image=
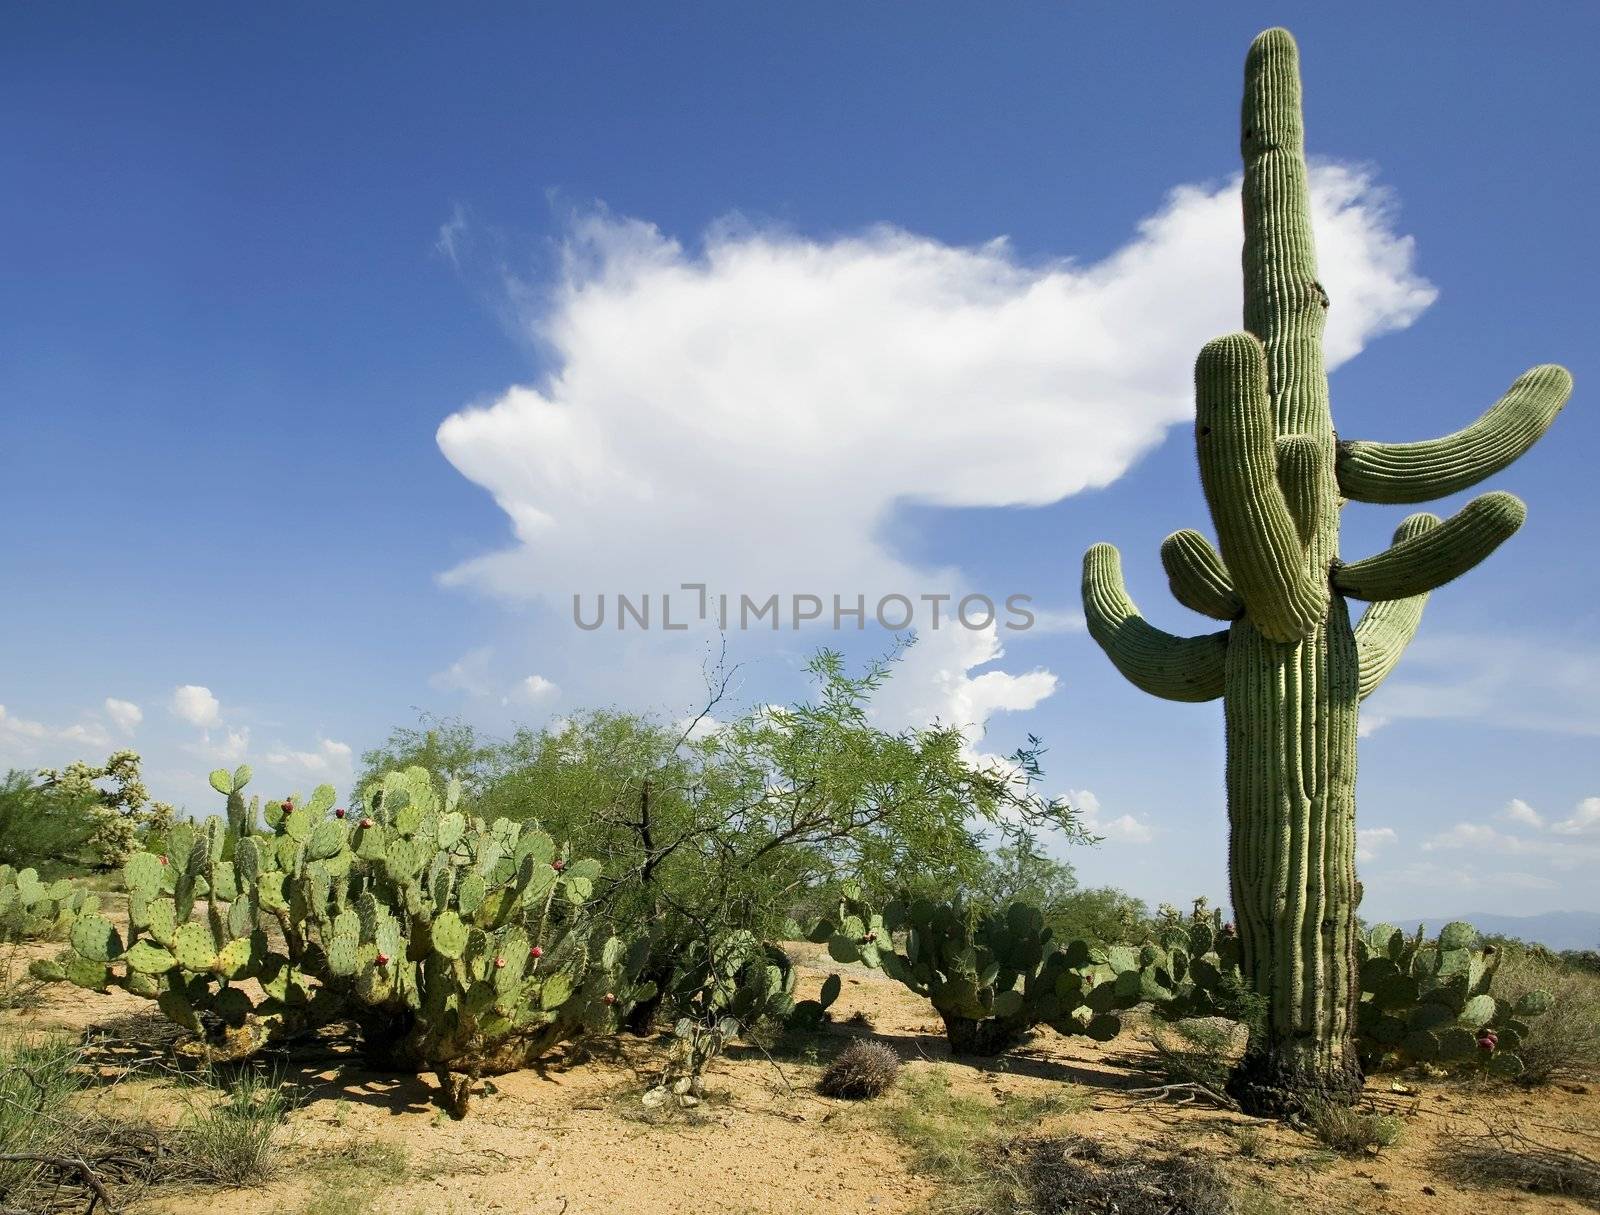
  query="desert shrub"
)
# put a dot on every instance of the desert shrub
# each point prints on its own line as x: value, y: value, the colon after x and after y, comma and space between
x: 40, y: 828
x: 1566, y: 1039
x: 716, y: 826
x: 1353, y: 1132
x: 1196, y: 1055
x: 1103, y: 915
x: 862, y: 1069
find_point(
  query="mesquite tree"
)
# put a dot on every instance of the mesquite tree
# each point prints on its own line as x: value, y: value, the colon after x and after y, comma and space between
x: 1289, y: 667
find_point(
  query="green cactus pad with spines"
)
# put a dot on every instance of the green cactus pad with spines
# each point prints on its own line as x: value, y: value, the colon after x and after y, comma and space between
x: 448, y: 934
x: 451, y: 828
x: 234, y: 959
x: 87, y: 973
x: 192, y: 946
x: 142, y: 873
x: 95, y: 940
x: 149, y: 959
x: 1291, y: 670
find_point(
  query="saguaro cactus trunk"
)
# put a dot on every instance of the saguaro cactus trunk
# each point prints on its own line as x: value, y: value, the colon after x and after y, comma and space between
x: 1289, y: 668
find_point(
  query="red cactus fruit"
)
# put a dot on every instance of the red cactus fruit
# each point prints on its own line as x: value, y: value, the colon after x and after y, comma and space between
x: 339, y: 813
x: 536, y: 952
x: 1487, y: 1041
x: 558, y: 865
x: 366, y: 824
x: 163, y: 860
x: 610, y: 998
x: 499, y: 962
x: 383, y: 959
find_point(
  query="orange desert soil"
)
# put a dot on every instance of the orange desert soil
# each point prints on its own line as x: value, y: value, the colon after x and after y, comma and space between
x: 574, y: 1138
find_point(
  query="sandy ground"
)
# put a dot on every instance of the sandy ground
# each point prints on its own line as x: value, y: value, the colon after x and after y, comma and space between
x: 573, y: 1138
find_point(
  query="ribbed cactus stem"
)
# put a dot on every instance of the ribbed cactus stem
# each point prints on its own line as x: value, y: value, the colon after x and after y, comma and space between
x: 1290, y: 670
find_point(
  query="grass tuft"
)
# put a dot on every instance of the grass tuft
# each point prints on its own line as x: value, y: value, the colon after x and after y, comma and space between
x: 1353, y: 1132
x: 236, y: 1140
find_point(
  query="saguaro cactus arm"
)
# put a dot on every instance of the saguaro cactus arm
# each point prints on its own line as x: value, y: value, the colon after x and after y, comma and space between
x: 1237, y: 446
x: 1386, y: 627
x: 1434, y: 556
x: 1435, y: 468
x: 1173, y: 668
x: 1302, y: 476
x: 1197, y: 576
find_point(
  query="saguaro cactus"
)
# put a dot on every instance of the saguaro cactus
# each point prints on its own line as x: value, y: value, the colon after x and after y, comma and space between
x: 1289, y: 667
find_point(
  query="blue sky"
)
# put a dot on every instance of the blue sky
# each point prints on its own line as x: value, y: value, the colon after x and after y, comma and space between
x: 254, y: 259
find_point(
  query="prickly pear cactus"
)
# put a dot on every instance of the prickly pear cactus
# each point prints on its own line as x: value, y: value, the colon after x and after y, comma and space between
x: 1432, y: 1002
x: 993, y: 976
x: 456, y: 945
x: 1288, y: 665
x: 31, y: 908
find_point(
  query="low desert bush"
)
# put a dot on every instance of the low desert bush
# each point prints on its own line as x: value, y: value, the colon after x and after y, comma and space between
x: 1565, y: 1040
x: 1353, y: 1132
x: 862, y: 1069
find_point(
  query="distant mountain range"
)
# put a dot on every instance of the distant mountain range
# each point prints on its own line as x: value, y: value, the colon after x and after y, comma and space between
x: 1554, y: 929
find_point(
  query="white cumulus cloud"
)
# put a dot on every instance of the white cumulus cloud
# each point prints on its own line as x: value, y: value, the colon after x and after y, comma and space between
x: 699, y: 398
x: 124, y: 714
x: 534, y: 690
x: 1369, y: 840
x: 1518, y: 811
x: 1123, y: 829
x: 196, y: 705
x: 331, y: 758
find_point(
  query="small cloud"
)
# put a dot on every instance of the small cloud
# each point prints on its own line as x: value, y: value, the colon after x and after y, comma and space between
x: 1371, y: 839
x: 1518, y: 811
x: 533, y: 690
x: 696, y: 728
x: 196, y: 705
x: 1584, y: 820
x: 453, y: 234
x: 124, y: 714
x: 330, y: 758
x: 1370, y: 723
x: 469, y: 674
x: 1124, y: 829
x: 229, y: 748
x: 25, y: 735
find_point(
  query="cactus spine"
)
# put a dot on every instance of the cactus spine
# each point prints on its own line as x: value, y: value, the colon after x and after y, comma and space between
x: 1289, y: 668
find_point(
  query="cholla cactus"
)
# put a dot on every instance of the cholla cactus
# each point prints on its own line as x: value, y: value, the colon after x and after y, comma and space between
x: 456, y: 945
x: 1289, y: 667
x: 121, y: 812
x: 992, y: 976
